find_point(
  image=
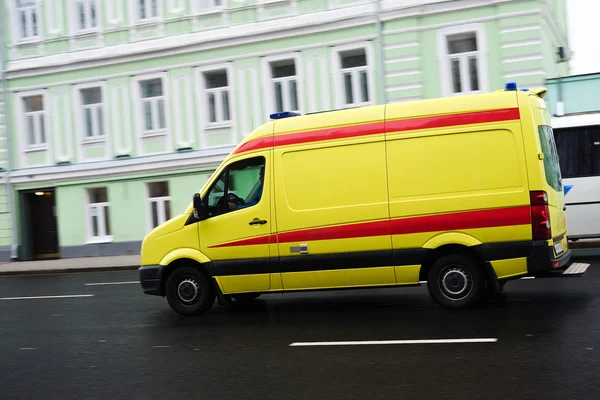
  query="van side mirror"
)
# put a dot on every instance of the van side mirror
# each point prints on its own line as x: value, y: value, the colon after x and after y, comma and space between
x: 198, y: 206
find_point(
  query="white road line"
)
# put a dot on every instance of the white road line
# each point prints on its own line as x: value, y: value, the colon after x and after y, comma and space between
x: 161, y: 347
x: 379, y: 342
x: 111, y: 283
x: 27, y: 348
x: 47, y: 297
x: 528, y: 277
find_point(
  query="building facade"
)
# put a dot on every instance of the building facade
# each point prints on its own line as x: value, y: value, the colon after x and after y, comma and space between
x: 120, y: 110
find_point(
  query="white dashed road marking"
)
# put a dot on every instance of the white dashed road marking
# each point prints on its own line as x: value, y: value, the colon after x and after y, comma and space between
x: 66, y: 296
x: 111, y: 283
x: 380, y: 342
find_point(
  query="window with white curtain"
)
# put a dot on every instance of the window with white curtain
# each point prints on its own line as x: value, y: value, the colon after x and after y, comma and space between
x: 159, y: 203
x: 93, y: 112
x: 153, y: 105
x: 284, y: 85
x: 98, y: 214
x: 355, y: 77
x: 217, y: 96
x: 35, y: 115
x: 87, y: 14
x: 28, y: 17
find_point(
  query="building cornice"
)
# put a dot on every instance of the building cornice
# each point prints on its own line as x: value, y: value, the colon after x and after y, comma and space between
x: 303, y: 24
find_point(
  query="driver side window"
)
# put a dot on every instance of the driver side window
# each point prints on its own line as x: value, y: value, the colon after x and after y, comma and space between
x: 239, y: 186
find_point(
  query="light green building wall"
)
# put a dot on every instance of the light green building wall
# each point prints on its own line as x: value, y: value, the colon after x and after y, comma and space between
x: 515, y: 41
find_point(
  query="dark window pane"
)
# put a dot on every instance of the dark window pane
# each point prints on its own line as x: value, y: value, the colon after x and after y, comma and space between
x: 216, y: 79
x: 225, y: 103
x: 578, y: 151
x: 456, y: 84
x: 94, y: 212
x: 98, y: 195
x: 167, y: 210
x: 106, y: 221
x: 89, y: 130
x: 154, y: 206
x: 283, y: 70
x: 212, y: 107
x: 152, y: 88
x: 158, y: 189
x: 473, y: 73
x: 278, y: 97
x: 351, y: 60
x: 348, y: 87
x: 91, y: 96
x: 31, y: 129
x: 42, y: 129
x: 364, y: 87
x: 294, y: 95
x: 462, y: 43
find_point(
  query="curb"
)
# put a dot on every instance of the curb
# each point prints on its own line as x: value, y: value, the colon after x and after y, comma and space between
x: 55, y: 271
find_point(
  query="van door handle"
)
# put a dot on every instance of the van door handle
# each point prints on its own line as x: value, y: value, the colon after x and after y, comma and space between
x: 257, y: 221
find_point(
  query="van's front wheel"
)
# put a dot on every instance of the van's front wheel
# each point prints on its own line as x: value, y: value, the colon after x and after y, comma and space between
x: 189, y: 292
x: 455, y: 281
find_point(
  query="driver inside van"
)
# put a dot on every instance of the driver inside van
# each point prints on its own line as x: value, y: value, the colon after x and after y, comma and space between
x: 254, y: 196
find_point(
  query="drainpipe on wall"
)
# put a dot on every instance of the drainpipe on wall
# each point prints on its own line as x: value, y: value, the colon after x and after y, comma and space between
x: 380, y: 50
x: 7, y: 129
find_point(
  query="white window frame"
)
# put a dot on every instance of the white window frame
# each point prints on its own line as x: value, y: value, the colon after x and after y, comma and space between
x: 197, y: 9
x: 23, y: 114
x: 160, y: 204
x: 202, y: 103
x: 445, y: 58
x: 139, y: 105
x: 102, y: 237
x: 74, y: 16
x: 17, y: 29
x: 80, y: 112
x: 269, y: 81
x: 338, y: 73
x: 152, y: 19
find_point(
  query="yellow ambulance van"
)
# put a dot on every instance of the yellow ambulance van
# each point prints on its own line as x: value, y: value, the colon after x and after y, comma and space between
x: 464, y: 193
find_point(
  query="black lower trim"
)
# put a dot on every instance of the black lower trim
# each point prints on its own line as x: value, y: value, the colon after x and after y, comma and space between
x: 542, y: 257
x: 150, y: 277
x: 538, y: 254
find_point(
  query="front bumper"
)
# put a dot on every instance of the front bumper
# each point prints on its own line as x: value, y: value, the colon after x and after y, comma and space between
x: 542, y: 257
x: 150, y: 278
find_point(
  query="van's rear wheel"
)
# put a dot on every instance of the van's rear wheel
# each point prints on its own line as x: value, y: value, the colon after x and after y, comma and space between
x: 455, y: 281
x: 189, y: 291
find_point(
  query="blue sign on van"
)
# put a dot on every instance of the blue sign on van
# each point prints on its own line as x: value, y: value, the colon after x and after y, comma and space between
x: 567, y: 188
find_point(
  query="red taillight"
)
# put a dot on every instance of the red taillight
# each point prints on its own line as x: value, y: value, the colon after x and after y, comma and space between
x: 540, y: 216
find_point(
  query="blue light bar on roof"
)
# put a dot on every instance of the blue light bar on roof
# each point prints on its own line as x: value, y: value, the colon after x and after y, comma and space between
x: 510, y: 86
x: 284, y: 114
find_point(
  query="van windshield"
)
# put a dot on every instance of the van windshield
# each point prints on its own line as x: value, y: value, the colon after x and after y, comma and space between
x: 551, y: 164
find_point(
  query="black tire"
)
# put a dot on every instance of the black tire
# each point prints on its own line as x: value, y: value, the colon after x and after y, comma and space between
x: 189, y: 292
x: 245, y: 296
x: 456, y: 282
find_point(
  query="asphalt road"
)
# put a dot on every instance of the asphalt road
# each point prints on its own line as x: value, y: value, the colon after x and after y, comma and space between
x: 117, y: 343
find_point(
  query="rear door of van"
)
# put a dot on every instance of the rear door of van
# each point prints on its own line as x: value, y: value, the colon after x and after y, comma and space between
x: 552, y: 179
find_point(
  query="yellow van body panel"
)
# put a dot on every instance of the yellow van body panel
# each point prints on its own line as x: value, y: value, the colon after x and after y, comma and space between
x: 510, y: 268
x: 361, y: 197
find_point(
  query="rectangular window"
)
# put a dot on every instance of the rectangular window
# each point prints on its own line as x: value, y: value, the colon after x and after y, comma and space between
x: 98, y: 214
x: 147, y: 9
x: 92, y: 107
x: 239, y: 186
x: 217, y: 97
x: 87, y: 14
x: 578, y: 151
x: 285, y: 85
x: 354, y: 70
x: 35, y: 115
x: 208, y: 4
x: 153, y: 105
x: 159, y: 203
x: 28, y: 17
x: 463, y: 58
x: 551, y: 163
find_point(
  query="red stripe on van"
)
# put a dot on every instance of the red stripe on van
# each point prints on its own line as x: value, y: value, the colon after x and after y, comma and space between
x: 402, y: 226
x: 342, y: 132
x: 442, y: 121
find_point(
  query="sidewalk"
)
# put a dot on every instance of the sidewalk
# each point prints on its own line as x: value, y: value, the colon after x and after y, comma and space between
x: 87, y: 264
